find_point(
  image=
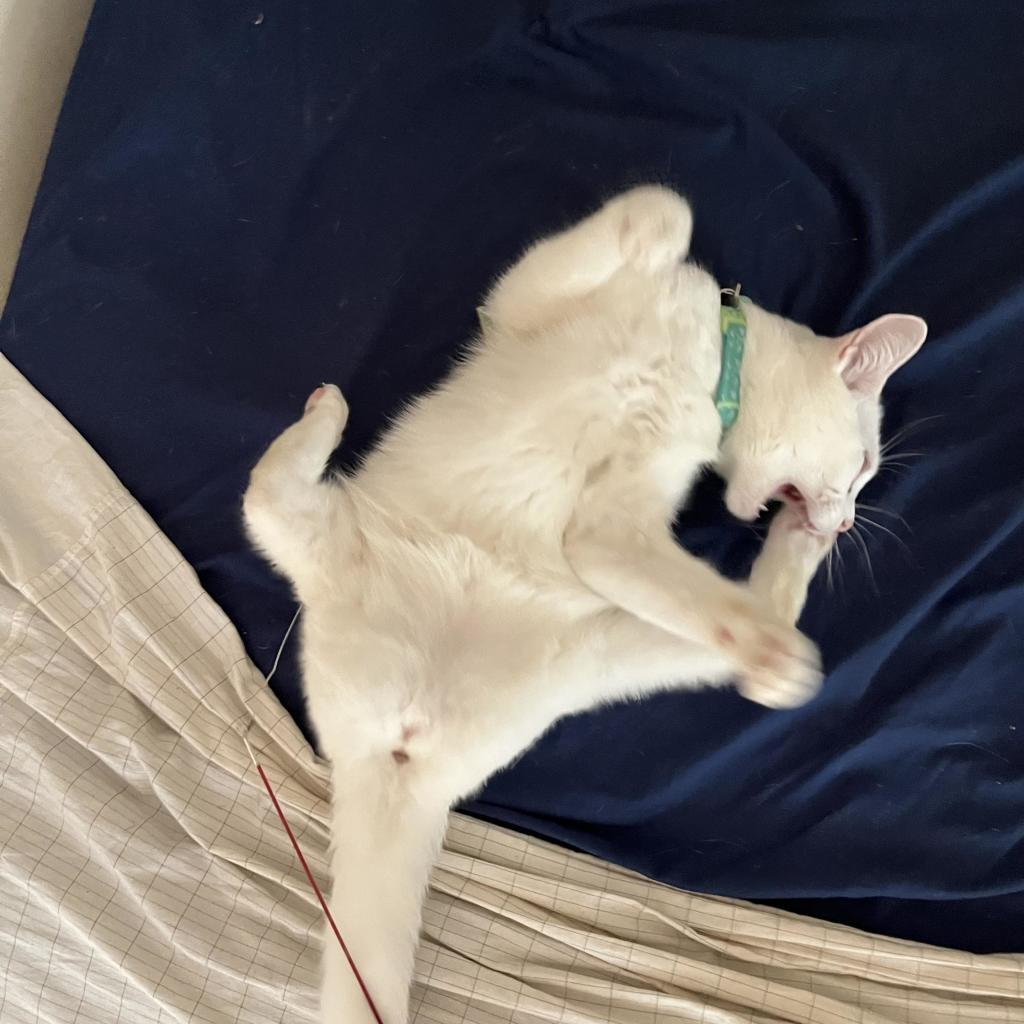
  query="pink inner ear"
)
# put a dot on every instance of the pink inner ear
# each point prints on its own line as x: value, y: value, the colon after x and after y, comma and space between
x: 868, y: 356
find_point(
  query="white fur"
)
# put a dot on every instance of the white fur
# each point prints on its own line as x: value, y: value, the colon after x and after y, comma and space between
x: 505, y: 557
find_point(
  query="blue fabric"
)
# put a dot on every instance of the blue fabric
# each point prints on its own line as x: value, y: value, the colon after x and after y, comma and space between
x: 246, y: 198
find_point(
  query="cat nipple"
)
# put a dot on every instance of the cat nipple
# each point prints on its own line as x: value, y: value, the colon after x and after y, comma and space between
x: 399, y: 757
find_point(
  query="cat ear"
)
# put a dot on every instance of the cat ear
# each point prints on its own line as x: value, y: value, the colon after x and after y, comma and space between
x: 868, y: 356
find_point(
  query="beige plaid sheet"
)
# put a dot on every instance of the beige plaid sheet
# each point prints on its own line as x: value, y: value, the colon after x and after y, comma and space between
x: 144, y: 876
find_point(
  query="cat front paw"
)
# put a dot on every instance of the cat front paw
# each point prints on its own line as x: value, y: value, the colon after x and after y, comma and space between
x: 654, y: 226
x: 776, y: 664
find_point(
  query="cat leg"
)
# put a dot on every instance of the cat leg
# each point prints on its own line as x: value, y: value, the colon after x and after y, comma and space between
x: 648, y: 227
x: 786, y: 565
x: 612, y: 655
x: 386, y: 838
x: 622, y: 549
x: 607, y: 656
x: 287, y: 506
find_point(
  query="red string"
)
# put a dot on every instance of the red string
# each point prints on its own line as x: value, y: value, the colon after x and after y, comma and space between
x: 316, y: 889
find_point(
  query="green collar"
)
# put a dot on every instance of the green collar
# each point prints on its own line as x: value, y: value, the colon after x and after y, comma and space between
x: 734, y: 337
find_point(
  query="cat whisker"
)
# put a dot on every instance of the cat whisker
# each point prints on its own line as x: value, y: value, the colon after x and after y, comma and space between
x: 884, y: 512
x: 835, y: 565
x: 858, y: 539
x: 908, y: 429
x: 866, y: 522
x: 889, y: 456
x: 839, y: 556
x: 840, y: 566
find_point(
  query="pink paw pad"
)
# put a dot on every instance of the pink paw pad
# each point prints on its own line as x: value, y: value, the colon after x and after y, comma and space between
x: 315, y: 397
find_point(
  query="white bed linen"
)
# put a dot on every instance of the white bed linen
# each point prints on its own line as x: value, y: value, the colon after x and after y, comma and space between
x: 144, y: 876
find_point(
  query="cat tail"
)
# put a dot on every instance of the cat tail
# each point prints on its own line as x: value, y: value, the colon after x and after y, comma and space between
x: 386, y: 839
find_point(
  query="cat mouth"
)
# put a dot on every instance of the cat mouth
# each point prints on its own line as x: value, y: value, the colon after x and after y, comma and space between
x: 792, y: 496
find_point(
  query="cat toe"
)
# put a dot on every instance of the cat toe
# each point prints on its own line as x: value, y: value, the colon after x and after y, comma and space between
x: 655, y: 225
x: 777, y: 665
x: 784, y: 672
x: 326, y: 393
x: 780, y: 692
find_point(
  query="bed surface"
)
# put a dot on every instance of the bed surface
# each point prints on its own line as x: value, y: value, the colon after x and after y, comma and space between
x: 243, y: 200
x: 146, y: 877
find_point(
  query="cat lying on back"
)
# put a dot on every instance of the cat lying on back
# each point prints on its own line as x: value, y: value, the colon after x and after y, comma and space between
x: 504, y: 557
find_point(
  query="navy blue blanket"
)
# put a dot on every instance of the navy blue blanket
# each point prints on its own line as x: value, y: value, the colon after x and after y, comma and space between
x: 245, y: 198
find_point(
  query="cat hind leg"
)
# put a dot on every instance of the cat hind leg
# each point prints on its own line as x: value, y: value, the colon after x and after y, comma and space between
x: 647, y: 228
x: 654, y: 227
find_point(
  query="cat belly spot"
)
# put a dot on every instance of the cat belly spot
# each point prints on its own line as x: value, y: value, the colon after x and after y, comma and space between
x: 400, y: 757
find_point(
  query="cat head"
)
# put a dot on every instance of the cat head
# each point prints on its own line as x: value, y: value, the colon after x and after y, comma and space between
x: 808, y: 431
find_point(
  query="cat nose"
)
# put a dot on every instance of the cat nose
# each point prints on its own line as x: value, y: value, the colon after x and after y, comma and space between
x: 846, y: 524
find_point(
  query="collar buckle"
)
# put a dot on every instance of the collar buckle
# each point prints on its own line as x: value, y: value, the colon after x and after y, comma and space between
x: 731, y: 296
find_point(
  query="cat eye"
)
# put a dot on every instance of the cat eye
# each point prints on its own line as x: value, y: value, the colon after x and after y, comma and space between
x: 865, y: 468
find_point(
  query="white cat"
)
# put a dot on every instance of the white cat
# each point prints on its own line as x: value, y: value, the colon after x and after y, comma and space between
x: 505, y: 556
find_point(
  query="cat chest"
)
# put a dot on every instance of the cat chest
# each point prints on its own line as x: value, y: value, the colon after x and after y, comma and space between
x: 656, y: 406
